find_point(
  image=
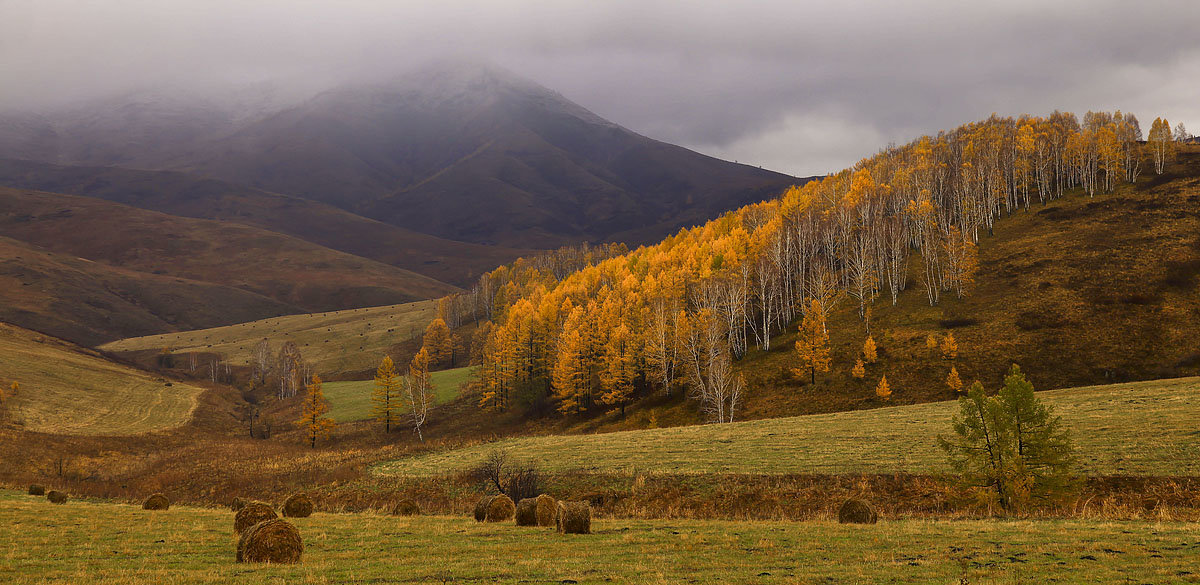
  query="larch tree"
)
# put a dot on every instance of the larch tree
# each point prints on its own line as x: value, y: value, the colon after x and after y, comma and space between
x: 812, y: 346
x: 859, y: 370
x: 314, y: 422
x: 949, y: 347
x: 438, y: 341
x: 931, y: 342
x: 385, y: 398
x: 869, y: 350
x: 419, y: 389
x: 953, y: 381
x: 883, y: 390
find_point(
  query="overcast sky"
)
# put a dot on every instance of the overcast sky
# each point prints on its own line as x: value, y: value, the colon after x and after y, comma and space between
x: 800, y: 87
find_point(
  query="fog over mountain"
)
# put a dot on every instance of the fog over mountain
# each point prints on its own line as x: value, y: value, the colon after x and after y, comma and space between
x: 799, y: 87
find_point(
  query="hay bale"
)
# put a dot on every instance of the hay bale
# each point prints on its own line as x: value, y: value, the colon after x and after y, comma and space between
x: 37, y: 490
x: 56, y: 497
x: 270, y: 541
x: 501, y: 509
x: 237, y: 504
x: 406, y: 507
x: 156, y: 502
x: 297, y: 506
x: 481, y: 508
x: 547, y: 511
x: 250, y: 514
x: 526, y: 513
x: 574, y: 518
x: 857, y: 511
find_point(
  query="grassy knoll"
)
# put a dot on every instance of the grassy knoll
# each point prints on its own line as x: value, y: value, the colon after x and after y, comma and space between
x: 1140, y: 428
x: 351, y: 401
x: 113, y: 543
x: 67, y: 390
x: 337, y: 341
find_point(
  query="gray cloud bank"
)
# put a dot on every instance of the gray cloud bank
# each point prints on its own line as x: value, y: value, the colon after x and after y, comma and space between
x: 800, y: 87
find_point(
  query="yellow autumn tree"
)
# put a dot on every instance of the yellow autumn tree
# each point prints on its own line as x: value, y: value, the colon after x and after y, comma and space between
x: 439, y: 342
x: 953, y: 381
x: 812, y: 346
x: 418, y: 385
x: 385, y: 398
x: 883, y: 391
x: 931, y: 342
x: 858, y: 371
x: 314, y: 421
x: 869, y: 350
x: 617, y: 375
x: 949, y: 347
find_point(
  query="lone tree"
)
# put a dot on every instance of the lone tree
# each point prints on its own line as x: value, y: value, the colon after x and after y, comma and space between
x: 314, y: 421
x: 1010, y: 449
x: 869, y: 351
x: 953, y: 381
x: 812, y: 347
x: 385, y: 398
x: 883, y: 390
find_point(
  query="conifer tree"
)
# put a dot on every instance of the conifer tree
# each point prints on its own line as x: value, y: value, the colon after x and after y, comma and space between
x: 438, y: 341
x: 314, y: 421
x: 883, y: 391
x: 812, y: 346
x: 949, y: 347
x: 953, y: 381
x: 931, y: 341
x: 858, y: 371
x: 869, y: 350
x: 385, y: 398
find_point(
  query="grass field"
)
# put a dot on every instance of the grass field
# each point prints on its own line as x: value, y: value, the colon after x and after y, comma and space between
x: 337, y: 341
x: 65, y: 390
x: 101, y: 542
x: 351, y: 401
x: 1141, y: 428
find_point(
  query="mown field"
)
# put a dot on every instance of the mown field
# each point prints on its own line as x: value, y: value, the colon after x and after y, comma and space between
x: 65, y: 390
x: 1141, y: 428
x: 351, y: 401
x: 337, y: 341
x: 102, y: 542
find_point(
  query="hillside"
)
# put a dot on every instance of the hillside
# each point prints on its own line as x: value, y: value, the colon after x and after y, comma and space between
x: 283, y: 268
x: 457, y: 263
x: 68, y: 390
x: 90, y: 303
x: 1140, y: 428
x: 336, y: 342
x: 458, y: 150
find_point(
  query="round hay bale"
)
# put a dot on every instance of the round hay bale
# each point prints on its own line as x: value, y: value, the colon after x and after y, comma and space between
x: 237, y: 504
x: 574, y: 518
x: 481, y: 508
x: 857, y: 511
x: 270, y: 541
x: 406, y: 507
x: 156, y: 502
x: 56, y: 497
x: 250, y: 514
x: 526, y: 513
x: 297, y: 506
x: 1149, y: 503
x: 547, y: 511
x: 501, y: 509
x: 37, y: 490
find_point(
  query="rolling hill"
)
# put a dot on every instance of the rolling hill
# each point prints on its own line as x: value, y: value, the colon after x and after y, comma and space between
x: 337, y: 342
x: 68, y: 390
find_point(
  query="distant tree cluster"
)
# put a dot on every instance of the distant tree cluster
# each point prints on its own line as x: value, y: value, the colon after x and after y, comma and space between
x: 594, y: 328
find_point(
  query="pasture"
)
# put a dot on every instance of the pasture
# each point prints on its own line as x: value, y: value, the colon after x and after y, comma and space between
x: 336, y: 341
x: 1140, y: 428
x: 103, y: 542
x: 68, y: 391
x: 351, y: 401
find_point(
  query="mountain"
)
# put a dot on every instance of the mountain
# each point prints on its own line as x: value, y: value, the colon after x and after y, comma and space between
x: 461, y: 151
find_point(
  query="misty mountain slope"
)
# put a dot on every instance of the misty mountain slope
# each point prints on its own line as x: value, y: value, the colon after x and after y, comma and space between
x: 180, y: 194
x: 280, y: 267
x: 474, y: 153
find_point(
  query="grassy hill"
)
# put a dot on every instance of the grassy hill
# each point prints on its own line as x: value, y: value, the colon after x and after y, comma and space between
x: 353, y: 340
x: 67, y: 390
x: 1140, y: 428
x: 351, y: 400
x: 188, y: 545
